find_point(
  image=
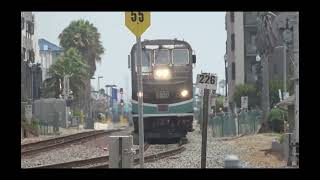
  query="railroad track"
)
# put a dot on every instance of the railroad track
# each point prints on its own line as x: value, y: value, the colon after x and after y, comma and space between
x: 41, y: 146
x: 103, y: 160
x: 146, y: 146
x: 150, y: 158
x: 84, y: 162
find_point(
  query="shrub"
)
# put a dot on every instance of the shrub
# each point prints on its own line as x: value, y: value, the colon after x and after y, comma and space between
x: 276, y: 119
x: 246, y: 90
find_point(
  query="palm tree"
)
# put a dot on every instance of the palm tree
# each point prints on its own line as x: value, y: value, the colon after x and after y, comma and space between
x: 69, y: 63
x: 266, y: 42
x: 83, y: 36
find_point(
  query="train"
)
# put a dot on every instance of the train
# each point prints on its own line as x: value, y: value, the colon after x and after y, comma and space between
x: 167, y: 74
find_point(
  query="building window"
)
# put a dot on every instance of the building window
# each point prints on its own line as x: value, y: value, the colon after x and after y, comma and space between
x: 232, y: 16
x: 27, y: 27
x: 251, y: 47
x: 233, y: 71
x: 31, y: 55
x: 250, y: 18
x: 275, y: 70
x: 232, y: 42
x: 23, y: 53
x: 31, y: 28
x: 22, y: 23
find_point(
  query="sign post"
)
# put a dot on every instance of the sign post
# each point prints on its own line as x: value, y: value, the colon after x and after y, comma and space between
x: 137, y: 22
x: 207, y: 82
x: 244, y: 102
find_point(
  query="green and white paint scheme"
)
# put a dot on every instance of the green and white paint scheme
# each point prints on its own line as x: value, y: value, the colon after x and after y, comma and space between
x: 184, y: 108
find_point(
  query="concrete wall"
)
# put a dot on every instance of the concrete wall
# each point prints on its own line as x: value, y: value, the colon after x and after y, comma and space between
x: 50, y: 110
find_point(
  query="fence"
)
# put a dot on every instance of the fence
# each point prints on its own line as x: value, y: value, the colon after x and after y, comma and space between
x: 230, y: 124
x: 46, y: 128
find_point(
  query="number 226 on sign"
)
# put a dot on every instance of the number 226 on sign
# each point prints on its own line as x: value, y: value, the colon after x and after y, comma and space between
x: 206, y: 81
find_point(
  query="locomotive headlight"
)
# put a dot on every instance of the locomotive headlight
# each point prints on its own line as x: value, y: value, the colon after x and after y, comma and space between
x: 184, y: 93
x: 162, y: 74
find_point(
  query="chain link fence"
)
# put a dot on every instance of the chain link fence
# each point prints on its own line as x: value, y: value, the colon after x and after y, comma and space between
x: 231, y: 124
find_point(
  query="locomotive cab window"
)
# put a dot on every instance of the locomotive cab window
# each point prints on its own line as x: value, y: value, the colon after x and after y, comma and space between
x: 162, y: 56
x: 146, y: 61
x: 180, y: 56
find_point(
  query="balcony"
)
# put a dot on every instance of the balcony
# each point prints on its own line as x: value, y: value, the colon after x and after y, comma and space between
x: 251, y: 50
x: 250, y: 19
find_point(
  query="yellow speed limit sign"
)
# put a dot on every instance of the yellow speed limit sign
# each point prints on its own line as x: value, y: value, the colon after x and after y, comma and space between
x: 137, y: 21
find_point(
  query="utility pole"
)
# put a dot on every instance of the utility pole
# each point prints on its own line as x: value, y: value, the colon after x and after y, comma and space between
x: 66, y: 96
x: 207, y: 82
x: 226, y: 75
x: 204, y: 128
x: 137, y: 27
x: 296, y: 80
x: 284, y: 71
x: 140, y: 102
x: 265, y: 87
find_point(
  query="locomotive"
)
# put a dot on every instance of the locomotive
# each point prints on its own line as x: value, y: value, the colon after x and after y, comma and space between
x: 167, y: 90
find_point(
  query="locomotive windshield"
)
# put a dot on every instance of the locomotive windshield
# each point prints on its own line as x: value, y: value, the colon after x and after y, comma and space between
x: 180, y: 56
x: 162, y: 56
x: 146, y: 60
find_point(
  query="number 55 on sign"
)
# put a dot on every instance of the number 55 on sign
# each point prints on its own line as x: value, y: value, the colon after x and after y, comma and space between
x: 137, y: 21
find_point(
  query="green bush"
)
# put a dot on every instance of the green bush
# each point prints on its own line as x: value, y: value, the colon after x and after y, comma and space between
x: 281, y: 139
x: 276, y: 119
x: 274, y: 86
x: 219, y: 102
x: 246, y: 90
x: 76, y: 113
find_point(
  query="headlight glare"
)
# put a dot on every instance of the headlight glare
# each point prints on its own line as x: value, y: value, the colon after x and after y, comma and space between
x: 184, y: 93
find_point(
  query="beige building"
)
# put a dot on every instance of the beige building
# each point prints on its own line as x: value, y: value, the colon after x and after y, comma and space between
x: 241, y: 50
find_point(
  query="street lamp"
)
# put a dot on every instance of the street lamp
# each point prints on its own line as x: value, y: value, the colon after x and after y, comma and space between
x: 258, y: 58
x: 226, y: 68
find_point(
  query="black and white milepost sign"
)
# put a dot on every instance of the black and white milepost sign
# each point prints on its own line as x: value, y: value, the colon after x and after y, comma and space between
x: 207, y: 82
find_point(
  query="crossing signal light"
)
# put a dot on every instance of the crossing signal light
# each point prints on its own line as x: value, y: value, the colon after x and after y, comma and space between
x: 121, y: 90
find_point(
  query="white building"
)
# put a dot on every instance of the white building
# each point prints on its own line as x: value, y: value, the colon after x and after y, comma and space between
x: 30, y: 85
x: 49, y: 53
x: 29, y: 44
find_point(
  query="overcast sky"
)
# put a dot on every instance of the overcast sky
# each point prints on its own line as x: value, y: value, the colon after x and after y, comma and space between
x: 204, y: 31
